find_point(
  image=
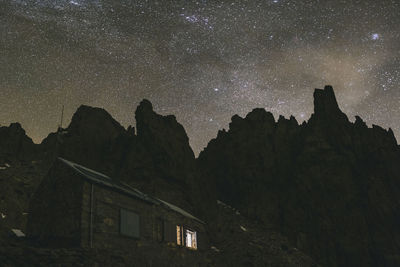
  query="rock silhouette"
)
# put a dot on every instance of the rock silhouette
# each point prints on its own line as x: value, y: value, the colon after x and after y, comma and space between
x: 14, y: 143
x: 327, y: 188
x: 329, y: 185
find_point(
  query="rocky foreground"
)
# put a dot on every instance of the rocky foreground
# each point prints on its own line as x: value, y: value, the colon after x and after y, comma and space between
x: 240, y: 242
x: 327, y: 188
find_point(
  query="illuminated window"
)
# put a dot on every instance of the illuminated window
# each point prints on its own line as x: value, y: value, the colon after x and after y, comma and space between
x: 185, y: 237
x: 191, y: 240
x: 179, y: 233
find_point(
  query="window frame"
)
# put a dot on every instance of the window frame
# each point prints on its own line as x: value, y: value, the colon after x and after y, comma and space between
x: 120, y: 223
x: 181, y: 237
x: 193, y: 232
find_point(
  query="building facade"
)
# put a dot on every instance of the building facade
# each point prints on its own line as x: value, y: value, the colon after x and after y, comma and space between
x: 78, y: 207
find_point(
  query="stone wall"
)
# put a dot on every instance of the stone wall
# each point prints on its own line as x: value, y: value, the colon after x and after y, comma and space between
x: 106, y: 219
x: 55, y: 209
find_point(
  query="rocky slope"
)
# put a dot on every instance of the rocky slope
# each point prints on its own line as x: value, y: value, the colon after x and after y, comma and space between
x: 239, y: 242
x: 331, y: 186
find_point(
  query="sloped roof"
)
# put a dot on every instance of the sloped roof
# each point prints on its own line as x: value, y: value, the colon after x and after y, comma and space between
x: 100, y: 178
x: 179, y: 210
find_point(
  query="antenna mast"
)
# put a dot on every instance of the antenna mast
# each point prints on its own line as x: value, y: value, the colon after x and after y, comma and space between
x: 62, y: 115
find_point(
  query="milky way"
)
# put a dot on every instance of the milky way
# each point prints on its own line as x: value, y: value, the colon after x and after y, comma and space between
x: 202, y: 61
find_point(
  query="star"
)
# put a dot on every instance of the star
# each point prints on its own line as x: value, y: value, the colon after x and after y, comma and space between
x: 375, y: 36
x: 197, y: 60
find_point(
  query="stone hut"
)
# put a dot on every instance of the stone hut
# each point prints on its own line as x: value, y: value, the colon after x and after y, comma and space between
x: 75, y: 206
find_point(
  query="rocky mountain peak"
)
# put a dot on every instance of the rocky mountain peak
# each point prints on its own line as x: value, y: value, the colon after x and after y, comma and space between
x: 91, y: 133
x: 16, y: 126
x: 360, y: 123
x: 258, y: 118
x: 165, y: 131
x: 14, y: 129
x: 92, y: 119
x: 325, y: 104
x: 14, y: 142
x: 260, y: 115
x: 325, y: 100
x: 164, y: 145
x: 145, y: 106
x: 280, y: 173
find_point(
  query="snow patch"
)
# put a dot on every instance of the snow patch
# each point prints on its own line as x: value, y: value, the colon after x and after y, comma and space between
x: 219, y: 202
x: 3, y: 216
x: 6, y: 165
x: 18, y: 232
x: 215, y: 249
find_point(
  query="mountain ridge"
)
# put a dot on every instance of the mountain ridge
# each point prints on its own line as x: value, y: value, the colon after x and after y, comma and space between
x: 329, y: 185
x: 308, y: 180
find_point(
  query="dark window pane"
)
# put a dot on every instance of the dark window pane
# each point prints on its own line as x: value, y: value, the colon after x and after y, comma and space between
x: 130, y: 223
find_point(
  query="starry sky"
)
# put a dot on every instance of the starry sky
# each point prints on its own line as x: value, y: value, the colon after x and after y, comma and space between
x: 202, y: 61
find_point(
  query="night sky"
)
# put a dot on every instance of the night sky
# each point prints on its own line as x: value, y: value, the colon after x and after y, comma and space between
x: 202, y: 61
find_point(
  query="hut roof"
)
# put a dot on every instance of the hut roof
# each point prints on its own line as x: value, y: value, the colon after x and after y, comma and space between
x: 102, y: 179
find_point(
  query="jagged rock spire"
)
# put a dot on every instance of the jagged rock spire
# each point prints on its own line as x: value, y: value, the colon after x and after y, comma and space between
x: 325, y: 104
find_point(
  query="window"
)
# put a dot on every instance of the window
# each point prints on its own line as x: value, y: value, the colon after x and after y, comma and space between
x: 179, y: 232
x: 179, y: 235
x: 191, y: 240
x: 129, y: 223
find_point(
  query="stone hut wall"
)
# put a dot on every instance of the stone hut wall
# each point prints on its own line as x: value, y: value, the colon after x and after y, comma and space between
x: 175, y: 218
x: 107, y: 204
x: 55, y: 208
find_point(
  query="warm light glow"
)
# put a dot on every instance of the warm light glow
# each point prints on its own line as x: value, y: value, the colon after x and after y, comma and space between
x: 178, y: 235
x: 191, y: 240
